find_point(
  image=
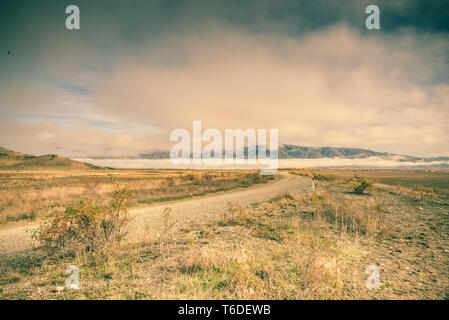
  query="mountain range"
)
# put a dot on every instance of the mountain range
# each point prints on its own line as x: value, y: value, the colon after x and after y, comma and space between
x: 16, y: 160
x: 290, y: 151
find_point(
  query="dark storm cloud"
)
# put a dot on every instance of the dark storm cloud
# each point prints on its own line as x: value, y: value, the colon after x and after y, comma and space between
x: 135, y: 20
x: 34, y: 38
x: 31, y: 30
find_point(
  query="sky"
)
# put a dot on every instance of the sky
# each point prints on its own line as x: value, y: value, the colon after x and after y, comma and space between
x: 136, y: 70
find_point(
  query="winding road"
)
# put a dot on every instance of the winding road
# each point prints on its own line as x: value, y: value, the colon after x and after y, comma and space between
x: 17, y: 239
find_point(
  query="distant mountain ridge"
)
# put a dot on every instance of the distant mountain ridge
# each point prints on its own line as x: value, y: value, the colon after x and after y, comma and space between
x: 290, y: 151
x: 15, y: 160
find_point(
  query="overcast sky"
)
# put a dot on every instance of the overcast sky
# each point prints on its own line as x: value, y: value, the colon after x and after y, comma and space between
x: 138, y: 69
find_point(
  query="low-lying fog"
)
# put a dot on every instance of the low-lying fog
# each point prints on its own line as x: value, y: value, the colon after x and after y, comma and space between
x: 370, y: 162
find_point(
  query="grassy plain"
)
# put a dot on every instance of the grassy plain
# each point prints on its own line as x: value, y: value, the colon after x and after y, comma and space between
x: 27, y: 195
x: 427, y: 180
x: 295, y: 246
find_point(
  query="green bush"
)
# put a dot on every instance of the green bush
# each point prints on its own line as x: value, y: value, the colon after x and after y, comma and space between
x: 87, y: 225
x: 362, y: 186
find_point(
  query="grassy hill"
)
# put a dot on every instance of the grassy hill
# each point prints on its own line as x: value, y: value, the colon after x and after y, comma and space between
x: 16, y: 160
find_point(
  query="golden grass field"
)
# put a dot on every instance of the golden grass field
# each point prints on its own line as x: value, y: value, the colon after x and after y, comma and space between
x: 295, y: 246
x: 27, y: 195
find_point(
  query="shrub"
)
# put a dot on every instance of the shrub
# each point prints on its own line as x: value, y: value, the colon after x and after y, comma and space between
x: 284, y: 195
x: 234, y: 214
x: 321, y: 177
x: 87, y: 225
x: 363, y: 185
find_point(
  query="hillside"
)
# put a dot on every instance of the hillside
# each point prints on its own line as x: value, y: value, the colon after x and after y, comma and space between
x: 289, y: 151
x: 16, y: 160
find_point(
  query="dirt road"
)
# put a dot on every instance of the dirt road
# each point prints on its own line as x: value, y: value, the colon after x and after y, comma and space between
x: 145, y: 219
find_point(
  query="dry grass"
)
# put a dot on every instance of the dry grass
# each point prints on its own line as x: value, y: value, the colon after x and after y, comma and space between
x: 87, y: 226
x: 30, y: 195
x: 363, y: 216
x: 433, y: 181
x: 276, y: 250
x: 296, y: 246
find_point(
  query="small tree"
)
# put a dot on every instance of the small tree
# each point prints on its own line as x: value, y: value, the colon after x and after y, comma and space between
x: 363, y: 185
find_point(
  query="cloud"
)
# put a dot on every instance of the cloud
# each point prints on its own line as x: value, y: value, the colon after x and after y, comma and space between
x: 76, y: 142
x: 122, y: 83
x: 331, y: 87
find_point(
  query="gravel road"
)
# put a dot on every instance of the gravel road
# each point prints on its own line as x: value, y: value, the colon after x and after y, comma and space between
x: 16, y: 239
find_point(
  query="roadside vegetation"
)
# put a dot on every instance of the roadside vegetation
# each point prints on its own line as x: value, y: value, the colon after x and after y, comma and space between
x: 27, y: 195
x: 362, y: 186
x: 296, y: 246
x: 433, y: 181
x: 86, y: 226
